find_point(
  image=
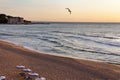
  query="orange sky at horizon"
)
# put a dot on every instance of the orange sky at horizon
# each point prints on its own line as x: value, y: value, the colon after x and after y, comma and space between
x: 54, y: 10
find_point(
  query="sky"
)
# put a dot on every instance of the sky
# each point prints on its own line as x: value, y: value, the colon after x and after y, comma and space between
x: 54, y: 10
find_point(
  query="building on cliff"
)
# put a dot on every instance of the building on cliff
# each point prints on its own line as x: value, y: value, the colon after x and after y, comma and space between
x: 4, y: 19
x: 15, y: 20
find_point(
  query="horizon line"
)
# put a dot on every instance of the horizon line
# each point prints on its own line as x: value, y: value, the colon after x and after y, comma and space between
x: 72, y: 22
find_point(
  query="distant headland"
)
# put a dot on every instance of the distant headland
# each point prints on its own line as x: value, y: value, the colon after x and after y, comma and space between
x: 7, y: 19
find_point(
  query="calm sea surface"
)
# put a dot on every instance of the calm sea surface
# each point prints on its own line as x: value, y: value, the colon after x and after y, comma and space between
x: 80, y: 40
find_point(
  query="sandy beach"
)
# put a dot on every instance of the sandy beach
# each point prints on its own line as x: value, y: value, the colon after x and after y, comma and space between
x: 52, y: 67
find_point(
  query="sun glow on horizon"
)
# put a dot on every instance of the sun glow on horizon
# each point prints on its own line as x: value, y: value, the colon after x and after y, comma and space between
x: 46, y: 10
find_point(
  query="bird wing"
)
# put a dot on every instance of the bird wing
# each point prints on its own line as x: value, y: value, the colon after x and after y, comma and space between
x: 68, y: 10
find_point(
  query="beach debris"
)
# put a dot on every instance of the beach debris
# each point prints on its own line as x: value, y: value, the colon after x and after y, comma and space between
x: 27, y: 70
x: 20, y: 66
x: 28, y: 78
x: 42, y: 78
x: 68, y: 9
x: 37, y: 78
x: 27, y: 74
x: 22, y: 74
x: 2, y: 77
x: 33, y: 74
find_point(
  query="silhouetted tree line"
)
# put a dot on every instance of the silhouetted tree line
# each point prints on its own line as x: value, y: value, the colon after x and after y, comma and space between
x: 3, y: 19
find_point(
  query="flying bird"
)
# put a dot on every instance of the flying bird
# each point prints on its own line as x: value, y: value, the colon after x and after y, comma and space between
x: 69, y: 10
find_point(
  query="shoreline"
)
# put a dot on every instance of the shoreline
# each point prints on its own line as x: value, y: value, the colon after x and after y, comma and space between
x: 53, y: 67
x: 53, y: 54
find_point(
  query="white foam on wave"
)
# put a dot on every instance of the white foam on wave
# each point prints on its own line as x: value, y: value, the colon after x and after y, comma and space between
x: 53, y: 54
x: 82, y: 41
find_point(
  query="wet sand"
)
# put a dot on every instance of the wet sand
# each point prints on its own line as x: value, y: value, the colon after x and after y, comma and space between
x: 52, y: 67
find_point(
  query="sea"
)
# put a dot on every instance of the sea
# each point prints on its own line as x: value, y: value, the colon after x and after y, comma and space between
x: 92, y: 41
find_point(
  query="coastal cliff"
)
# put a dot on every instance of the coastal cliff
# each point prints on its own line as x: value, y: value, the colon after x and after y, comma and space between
x: 6, y: 19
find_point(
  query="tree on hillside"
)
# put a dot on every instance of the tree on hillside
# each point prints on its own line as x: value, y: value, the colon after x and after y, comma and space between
x: 3, y: 19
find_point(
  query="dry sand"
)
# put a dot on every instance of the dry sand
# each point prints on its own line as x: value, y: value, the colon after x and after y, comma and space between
x: 52, y: 67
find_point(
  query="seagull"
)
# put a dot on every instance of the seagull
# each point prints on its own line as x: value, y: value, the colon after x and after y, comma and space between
x: 69, y: 10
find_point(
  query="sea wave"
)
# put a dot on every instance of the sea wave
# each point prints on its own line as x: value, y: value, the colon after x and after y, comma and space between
x: 80, y: 41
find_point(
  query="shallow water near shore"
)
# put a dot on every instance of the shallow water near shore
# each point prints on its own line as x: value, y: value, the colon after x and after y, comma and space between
x: 95, y: 41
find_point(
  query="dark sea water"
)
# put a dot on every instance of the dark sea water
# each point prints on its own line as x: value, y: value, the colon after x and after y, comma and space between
x: 95, y: 41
